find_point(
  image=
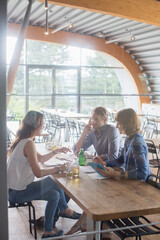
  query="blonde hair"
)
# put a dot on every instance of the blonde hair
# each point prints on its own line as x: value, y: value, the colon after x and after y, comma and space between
x: 101, y: 111
x: 130, y: 121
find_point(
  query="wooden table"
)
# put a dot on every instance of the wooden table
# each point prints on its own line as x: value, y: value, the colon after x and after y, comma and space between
x: 109, y: 198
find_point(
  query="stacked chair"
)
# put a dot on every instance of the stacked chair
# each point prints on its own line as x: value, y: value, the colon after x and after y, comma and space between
x: 154, y: 160
x: 81, y: 126
x: 73, y: 130
x: 54, y: 124
x: 10, y: 137
x: 60, y: 125
x: 149, y: 128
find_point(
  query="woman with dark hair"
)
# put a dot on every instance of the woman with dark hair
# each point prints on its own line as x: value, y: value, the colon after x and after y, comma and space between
x: 134, y: 162
x: 23, y: 167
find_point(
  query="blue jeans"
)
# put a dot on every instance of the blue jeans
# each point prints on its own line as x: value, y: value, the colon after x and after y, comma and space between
x: 44, y: 189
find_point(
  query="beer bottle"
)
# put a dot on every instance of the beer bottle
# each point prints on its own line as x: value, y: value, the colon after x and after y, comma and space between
x: 81, y: 158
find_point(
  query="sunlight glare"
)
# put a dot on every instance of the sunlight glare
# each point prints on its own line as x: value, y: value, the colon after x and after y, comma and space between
x: 11, y: 41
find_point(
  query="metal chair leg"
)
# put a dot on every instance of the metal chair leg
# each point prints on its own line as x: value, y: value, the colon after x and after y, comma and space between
x: 34, y: 217
x: 30, y: 224
x: 34, y: 220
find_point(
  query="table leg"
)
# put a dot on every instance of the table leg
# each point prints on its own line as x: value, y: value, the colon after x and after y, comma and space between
x: 90, y: 227
x: 98, y: 228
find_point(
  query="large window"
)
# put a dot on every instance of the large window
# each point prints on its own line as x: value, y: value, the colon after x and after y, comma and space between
x: 58, y: 76
x: 66, y: 81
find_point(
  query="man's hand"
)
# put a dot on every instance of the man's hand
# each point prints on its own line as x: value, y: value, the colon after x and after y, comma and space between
x: 98, y: 160
x: 88, y: 127
x: 77, y: 152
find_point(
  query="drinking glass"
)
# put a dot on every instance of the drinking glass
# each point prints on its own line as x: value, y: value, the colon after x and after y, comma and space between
x: 89, y: 156
x: 48, y: 145
x: 54, y: 145
x: 75, y: 168
x: 69, y: 170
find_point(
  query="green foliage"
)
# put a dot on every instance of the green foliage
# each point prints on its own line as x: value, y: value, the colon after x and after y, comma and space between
x: 99, y: 78
x: 46, y: 53
x: 16, y: 105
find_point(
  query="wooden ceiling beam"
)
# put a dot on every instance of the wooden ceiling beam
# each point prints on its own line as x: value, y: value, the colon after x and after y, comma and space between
x: 147, y: 11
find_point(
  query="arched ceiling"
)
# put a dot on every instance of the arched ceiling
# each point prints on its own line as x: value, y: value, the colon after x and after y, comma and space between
x: 145, y: 49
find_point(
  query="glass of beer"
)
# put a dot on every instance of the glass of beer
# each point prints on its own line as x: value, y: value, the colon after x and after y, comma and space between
x: 75, y: 168
x: 69, y: 170
x: 75, y: 171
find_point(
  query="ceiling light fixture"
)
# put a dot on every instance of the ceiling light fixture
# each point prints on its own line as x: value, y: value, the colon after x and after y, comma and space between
x: 46, y: 26
x: 100, y: 34
x: 70, y: 25
x: 46, y: 4
x: 131, y: 38
x: 62, y: 26
x: 128, y: 35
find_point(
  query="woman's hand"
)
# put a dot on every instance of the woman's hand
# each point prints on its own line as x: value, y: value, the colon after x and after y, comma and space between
x: 62, y: 167
x: 98, y: 160
x: 62, y: 150
x: 109, y: 172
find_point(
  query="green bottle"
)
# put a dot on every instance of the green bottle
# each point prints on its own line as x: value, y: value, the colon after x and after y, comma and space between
x: 81, y: 158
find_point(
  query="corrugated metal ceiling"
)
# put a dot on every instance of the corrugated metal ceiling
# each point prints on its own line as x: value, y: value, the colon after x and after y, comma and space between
x: 145, y: 49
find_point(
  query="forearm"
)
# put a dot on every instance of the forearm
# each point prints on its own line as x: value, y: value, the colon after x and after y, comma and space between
x: 46, y: 172
x: 46, y: 157
x: 80, y: 141
x: 120, y: 174
x: 118, y: 162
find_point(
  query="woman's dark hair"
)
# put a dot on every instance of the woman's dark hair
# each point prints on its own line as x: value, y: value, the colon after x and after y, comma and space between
x: 30, y: 122
x: 130, y: 121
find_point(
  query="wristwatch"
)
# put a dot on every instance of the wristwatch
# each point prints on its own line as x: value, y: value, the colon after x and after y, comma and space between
x: 122, y: 174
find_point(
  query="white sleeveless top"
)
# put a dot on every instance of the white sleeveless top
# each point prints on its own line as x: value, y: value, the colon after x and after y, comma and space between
x: 19, y: 172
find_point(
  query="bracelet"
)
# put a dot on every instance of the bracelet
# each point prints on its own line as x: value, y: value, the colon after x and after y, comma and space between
x: 53, y: 152
x: 58, y: 169
x: 122, y: 174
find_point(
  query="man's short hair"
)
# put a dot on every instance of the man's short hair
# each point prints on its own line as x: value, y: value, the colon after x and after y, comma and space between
x: 130, y: 121
x: 101, y: 111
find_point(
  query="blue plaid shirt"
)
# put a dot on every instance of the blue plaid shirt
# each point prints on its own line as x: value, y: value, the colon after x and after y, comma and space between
x: 134, y: 158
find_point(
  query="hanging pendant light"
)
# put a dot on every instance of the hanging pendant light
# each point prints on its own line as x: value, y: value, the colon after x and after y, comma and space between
x: 46, y: 25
